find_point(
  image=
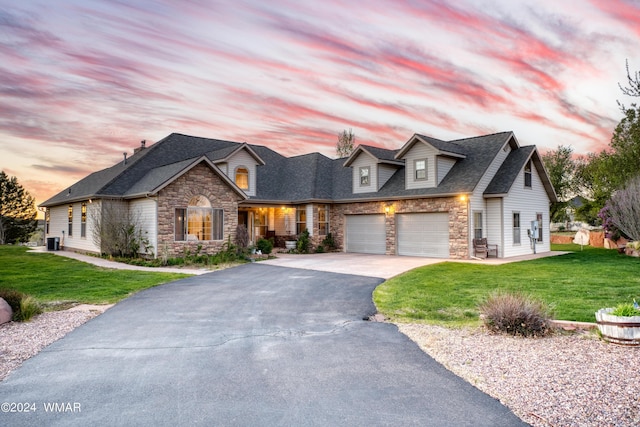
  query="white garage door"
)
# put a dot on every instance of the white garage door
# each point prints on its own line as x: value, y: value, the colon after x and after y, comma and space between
x: 423, y: 234
x: 366, y: 234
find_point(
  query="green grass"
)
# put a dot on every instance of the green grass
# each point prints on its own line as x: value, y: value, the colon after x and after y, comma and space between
x: 51, y: 278
x: 575, y: 285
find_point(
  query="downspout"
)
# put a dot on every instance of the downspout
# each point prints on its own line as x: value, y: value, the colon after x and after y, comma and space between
x: 155, y: 214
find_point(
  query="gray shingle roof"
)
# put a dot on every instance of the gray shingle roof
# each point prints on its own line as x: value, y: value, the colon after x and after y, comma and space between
x: 295, y: 179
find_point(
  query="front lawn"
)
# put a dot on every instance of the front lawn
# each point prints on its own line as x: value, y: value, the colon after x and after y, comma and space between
x: 51, y: 278
x: 576, y: 285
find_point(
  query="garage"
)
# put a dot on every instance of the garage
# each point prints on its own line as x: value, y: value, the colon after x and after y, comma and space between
x: 423, y: 234
x: 365, y: 234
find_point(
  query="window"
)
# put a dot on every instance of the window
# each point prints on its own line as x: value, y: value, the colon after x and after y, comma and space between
x: 477, y: 225
x: 261, y: 223
x: 516, y: 228
x: 301, y: 219
x: 242, y: 177
x: 199, y: 221
x: 323, y: 220
x: 420, y: 169
x: 47, y: 221
x: 70, y: 214
x: 527, y: 174
x: 83, y: 220
x: 364, y: 175
x: 539, y: 219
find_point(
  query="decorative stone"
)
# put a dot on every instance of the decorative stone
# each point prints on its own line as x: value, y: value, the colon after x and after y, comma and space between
x: 5, y: 312
x: 582, y: 237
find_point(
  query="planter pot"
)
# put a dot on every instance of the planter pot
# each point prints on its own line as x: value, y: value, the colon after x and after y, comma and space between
x: 618, y: 329
x: 290, y: 244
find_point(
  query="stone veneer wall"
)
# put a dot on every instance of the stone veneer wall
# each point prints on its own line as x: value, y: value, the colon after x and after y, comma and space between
x: 458, y: 220
x: 201, y: 180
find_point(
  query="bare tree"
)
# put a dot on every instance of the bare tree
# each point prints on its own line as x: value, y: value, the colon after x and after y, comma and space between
x: 633, y: 88
x: 117, y: 231
x: 624, y: 208
x: 345, y: 144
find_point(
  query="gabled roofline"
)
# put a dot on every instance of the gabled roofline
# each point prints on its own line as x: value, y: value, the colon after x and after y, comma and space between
x: 246, y: 146
x: 186, y: 169
x: 362, y: 149
x: 419, y: 138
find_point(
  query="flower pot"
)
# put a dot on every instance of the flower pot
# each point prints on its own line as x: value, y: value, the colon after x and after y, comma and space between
x: 290, y: 244
x: 618, y: 329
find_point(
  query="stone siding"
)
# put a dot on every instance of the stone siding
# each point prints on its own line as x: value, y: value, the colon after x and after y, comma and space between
x: 458, y: 220
x: 201, y: 180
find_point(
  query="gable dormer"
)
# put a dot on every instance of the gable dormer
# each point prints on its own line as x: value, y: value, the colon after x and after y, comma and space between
x: 240, y: 165
x: 428, y: 160
x: 371, y: 168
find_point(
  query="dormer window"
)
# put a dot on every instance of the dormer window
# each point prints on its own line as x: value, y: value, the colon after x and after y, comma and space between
x: 364, y: 175
x: 420, y: 169
x: 242, y: 177
x: 527, y: 174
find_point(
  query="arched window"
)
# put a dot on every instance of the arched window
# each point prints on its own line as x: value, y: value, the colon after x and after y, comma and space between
x: 242, y: 177
x: 199, y: 221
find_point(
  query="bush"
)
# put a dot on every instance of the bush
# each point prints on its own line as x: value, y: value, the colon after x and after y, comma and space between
x: 516, y: 314
x: 265, y: 246
x: 24, y: 306
x: 304, y: 243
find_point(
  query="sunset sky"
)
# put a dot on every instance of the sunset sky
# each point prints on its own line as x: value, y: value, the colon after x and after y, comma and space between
x: 82, y: 81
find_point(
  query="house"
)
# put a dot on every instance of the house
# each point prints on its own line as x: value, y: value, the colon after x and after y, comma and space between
x: 428, y: 198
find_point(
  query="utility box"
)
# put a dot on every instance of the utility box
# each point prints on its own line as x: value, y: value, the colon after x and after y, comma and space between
x: 53, y: 243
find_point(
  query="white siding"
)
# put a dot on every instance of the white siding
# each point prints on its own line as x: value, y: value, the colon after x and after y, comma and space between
x: 477, y: 202
x: 494, y: 231
x: 243, y: 158
x: 529, y: 202
x: 420, y: 151
x: 364, y: 160
x: 384, y: 173
x: 309, y: 209
x: 144, y: 212
x: 444, y: 165
x: 57, y: 222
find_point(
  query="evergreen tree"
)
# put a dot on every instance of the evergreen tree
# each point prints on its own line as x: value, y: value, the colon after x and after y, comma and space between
x: 17, y: 211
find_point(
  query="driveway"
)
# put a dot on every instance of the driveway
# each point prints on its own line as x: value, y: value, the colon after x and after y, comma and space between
x: 255, y: 345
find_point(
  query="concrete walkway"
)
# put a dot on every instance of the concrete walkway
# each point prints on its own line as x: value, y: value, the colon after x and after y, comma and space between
x: 384, y: 266
x: 101, y: 262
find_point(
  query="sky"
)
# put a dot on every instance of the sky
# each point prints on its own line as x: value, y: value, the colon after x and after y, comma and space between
x: 83, y: 81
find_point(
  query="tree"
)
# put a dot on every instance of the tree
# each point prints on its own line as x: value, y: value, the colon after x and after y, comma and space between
x: 345, y: 144
x: 561, y: 168
x: 623, y: 208
x: 634, y: 84
x: 599, y: 175
x: 17, y: 211
x: 117, y: 231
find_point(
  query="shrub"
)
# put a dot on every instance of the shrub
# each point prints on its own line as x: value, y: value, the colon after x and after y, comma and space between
x: 24, y: 306
x: 329, y: 243
x: 516, y: 314
x: 29, y: 307
x: 265, y: 246
x: 304, y: 242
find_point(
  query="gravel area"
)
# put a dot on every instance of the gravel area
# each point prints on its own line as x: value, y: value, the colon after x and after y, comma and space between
x: 21, y: 340
x: 560, y: 380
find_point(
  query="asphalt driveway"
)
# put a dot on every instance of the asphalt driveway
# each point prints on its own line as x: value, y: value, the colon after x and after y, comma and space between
x: 256, y: 345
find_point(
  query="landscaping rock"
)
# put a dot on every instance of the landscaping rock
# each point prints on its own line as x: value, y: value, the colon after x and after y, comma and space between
x: 5, y: 312
x: 582, y: 237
